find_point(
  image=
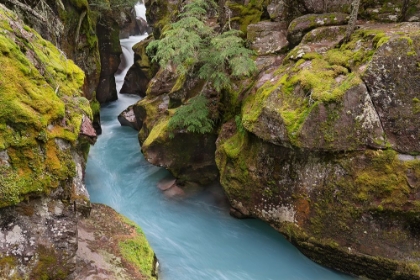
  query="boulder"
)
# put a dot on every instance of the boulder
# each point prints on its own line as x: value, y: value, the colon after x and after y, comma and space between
x: 189, y: 156
x: 268, y: 37
x: 301, y: 25
x: 277, y: 10
x: 128, y: 118
x: 337, y: 208
x: 393, y: 81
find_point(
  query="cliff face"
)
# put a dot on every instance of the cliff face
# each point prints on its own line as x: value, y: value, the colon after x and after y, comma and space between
x: 45, y: 135
x: 322, y: 143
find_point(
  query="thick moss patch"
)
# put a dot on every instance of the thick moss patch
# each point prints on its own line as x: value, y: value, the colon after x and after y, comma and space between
x: 40, y: 101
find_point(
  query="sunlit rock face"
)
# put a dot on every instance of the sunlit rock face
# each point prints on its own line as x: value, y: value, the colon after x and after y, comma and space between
x: 45, y: 133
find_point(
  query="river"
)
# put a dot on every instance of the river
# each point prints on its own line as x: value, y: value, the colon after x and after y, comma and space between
x: 193, y: 237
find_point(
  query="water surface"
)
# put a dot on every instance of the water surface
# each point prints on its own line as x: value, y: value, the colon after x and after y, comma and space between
x: 194, y: 237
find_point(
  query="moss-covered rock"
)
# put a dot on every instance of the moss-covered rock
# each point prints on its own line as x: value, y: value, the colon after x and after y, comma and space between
x: 319, y: 165
x: 44, y: 141
x: 338, y: 208
x: 128, y: 256
x: 41, y: 104
x: 301, y: 25
x: 141, y: 72
x: 393, y: 80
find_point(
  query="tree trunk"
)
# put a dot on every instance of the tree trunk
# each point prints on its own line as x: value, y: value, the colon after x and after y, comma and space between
x: 353, y: 19
x: 404, y: 10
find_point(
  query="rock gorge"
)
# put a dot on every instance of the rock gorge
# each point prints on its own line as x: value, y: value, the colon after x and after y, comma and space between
x: 50, y: 89
x: 322, y: 143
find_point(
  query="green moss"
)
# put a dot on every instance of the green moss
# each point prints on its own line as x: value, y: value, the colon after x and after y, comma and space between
x: 95, y: 106
x: 137, y: 250
x: 40, y: 100
x: 246, y: 14
x: 234, y: 145
x: 159, y: 130
x: 416, y: 105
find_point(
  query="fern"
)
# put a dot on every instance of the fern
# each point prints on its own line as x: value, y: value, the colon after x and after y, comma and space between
x: 193, y: 116
x: 190, y: 45
x: 226, y: 54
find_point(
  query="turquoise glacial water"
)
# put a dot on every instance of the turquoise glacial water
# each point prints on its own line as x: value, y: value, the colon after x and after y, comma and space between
x: 193, y: 237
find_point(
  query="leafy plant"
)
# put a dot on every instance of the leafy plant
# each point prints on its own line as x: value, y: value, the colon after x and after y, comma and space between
x: 190, y: 46
x: 192, y: 116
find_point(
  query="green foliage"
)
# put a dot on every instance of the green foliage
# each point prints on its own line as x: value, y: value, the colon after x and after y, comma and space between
x: 191, y: 47
x: 190, y: 42
x: 226, y: 51
x: 193, y: 117
x: 106, y: 5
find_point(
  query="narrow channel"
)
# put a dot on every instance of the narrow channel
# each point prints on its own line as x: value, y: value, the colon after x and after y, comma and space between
x: 193, y: 237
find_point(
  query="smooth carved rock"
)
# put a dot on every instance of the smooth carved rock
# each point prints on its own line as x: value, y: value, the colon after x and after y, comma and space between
x: 300, y: 26
x: 268, y: 37
x: 128, y: 118
x: 110, y: 51
x: 393, y: 80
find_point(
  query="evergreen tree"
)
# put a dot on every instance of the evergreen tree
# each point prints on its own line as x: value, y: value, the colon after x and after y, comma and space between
x: 191, y: 47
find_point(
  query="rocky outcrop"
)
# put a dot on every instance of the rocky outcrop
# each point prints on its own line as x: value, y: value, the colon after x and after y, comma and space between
x: 319, y: 158
x: 161, y: 147
x: 44, y: 139
x: 110, y: 51
x: 141, y: 72
x: 108, y: 253
x: 320, y: 144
